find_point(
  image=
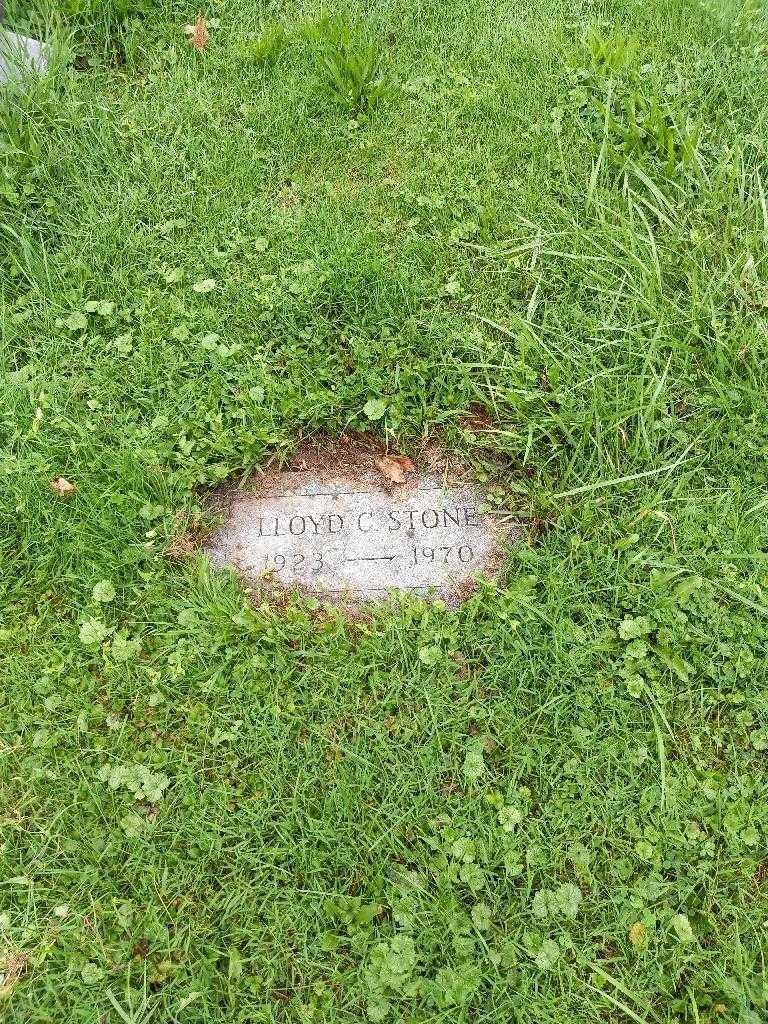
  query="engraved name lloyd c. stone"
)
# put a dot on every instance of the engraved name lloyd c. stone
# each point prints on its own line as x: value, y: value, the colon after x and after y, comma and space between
x: 355, y: 539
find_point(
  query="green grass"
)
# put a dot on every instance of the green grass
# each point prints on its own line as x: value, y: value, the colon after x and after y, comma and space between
x: 545, y: 807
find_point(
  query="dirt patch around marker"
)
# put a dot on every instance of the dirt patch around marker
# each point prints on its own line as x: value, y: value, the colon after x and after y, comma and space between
x: 353, y: 454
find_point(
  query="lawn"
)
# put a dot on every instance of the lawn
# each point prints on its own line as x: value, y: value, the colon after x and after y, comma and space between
x: 532, y: 233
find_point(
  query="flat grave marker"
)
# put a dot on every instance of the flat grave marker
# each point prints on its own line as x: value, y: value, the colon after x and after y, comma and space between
x: 353, y: 539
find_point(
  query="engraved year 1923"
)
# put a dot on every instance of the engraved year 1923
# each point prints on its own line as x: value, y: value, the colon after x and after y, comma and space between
x: 294, y: 560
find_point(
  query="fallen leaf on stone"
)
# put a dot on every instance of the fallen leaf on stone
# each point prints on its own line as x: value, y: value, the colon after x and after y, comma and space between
x: 395, y: 467
x: 198, y: 33
x: 62, y: 486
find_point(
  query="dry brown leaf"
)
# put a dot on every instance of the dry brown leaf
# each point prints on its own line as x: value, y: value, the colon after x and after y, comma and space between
x: 62, y: 486
x: 395, y: 467
x: 11, y: 970
x: 198, y: 33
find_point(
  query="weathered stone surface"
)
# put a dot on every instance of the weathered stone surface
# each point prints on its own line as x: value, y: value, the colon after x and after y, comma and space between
x: 20, y: 56
x: 352, y: 540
